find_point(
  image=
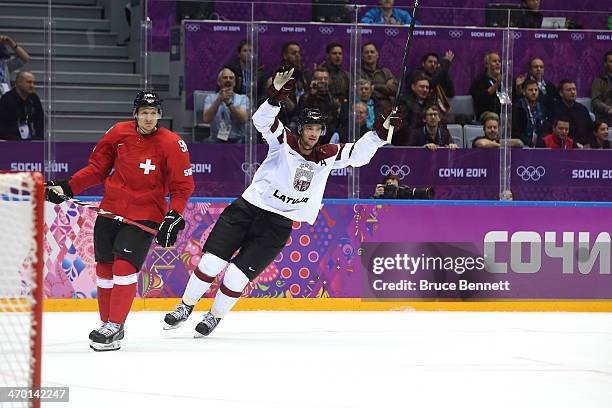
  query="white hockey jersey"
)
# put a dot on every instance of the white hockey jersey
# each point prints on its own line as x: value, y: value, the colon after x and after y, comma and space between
x: 290, y: 184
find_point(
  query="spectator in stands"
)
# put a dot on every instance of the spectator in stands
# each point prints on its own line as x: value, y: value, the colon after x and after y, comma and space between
x: 10, y: 63
x: 338, y: 78
x: 600, y: 133
x: 601, y: 92
x: 529, y: 15
x: 548, y: 91
x: 364, y: 87
x: 386, y: 14
x: 241, y: 67
x: 341, y: 134
x: 226, y: 111
x: 432, y: 135
x: 382, y: 80
x: 318, y: 96
x: 441, y: 83
x: 485, y: 86
x: 578, y: 115
x: 21, y: 113
x: 559, y: 138
x: 419, y: 96
x: 490, y: 125
x: 291, y: 56
x: 528, y: 115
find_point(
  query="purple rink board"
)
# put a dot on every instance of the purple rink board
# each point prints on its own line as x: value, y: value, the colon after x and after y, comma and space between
x: 438, y: 12
x: 360, y: 249
x: 567, y: 54
x: 464, y: 174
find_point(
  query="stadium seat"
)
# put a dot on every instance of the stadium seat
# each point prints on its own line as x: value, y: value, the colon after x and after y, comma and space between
x: 471, y: 132
x: 462, y: 104
x: 586, y: 102
x: 456, y: 132
x: 198, y: 106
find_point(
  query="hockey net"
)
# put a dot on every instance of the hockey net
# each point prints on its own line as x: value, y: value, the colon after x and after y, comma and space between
x: 21, y: 267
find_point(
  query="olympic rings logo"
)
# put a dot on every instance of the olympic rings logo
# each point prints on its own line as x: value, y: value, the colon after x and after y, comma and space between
x: 516, y: 34
x: 577, y: 36
x: 530, y: 172
x: 262, y: 28
x: 395, y: 170
x: 391, y: 32
x: 326, y: 30
x: 192, y: 28
x: 250, y: 168
x: 455, y: 33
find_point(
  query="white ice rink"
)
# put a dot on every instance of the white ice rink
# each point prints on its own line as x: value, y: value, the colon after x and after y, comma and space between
x: 338, y: 359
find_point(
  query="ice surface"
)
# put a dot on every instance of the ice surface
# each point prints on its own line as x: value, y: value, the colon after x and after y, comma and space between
x: 338, y: 359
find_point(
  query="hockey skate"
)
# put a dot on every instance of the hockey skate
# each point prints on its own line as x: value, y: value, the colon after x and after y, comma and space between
x: 107, y: 338
x: 176, y: 318
x: 207, y: 325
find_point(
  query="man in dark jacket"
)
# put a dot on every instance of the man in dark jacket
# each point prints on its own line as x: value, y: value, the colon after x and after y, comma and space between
x: 441, y: 82
x: 485, y: 86
x: 548, y: 91
x: 21, y: 113
x: 529, y: 116
x: 241, y: 67
x: 577, y: 114
x: 601, y: 92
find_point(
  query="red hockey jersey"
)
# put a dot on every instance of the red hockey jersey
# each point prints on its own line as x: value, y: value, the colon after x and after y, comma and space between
x: 138, y: 172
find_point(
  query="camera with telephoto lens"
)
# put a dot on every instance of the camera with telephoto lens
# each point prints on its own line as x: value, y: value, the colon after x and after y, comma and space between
x: 408, y: 193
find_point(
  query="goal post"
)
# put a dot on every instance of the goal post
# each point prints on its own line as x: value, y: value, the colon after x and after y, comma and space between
x: 21, y: 280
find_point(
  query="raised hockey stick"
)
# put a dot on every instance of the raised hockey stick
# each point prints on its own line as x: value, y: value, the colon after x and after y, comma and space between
x: 108, y: 214
x: 404, y: 67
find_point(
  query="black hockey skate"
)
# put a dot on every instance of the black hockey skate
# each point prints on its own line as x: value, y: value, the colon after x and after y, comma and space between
x: 176, y: 318
x: 207, y: 325
x: 107, y: 338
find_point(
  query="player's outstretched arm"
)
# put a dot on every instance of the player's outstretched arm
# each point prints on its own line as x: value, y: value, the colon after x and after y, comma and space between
x: 359, y: 153
x: 265, y: 119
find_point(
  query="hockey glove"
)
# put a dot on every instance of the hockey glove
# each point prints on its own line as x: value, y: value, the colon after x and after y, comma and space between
x: 384, y: 121
x: 53, y: 188
x: 282, y: 84
x: 169, y: 229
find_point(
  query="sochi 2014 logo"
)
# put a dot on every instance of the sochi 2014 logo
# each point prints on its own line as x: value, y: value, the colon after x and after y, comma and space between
x: 250, y: 168
x: 395, y: 170
x: 530, y: 173
x: 192, y: 28
x: 392, y: 32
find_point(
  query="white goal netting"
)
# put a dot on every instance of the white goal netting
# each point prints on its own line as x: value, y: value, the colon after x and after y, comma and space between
x: 21, y: 229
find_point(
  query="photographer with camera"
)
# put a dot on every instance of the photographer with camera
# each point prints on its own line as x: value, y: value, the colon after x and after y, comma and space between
x: 391, y: 189
x: 320, y: 97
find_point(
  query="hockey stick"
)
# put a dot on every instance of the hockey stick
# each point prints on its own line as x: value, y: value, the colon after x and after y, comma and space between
x: 108, y: 214
x: 404, y: 67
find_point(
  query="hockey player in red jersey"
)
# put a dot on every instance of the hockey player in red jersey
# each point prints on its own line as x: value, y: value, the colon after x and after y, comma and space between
x: 149, y: 163
x: 287, y: 187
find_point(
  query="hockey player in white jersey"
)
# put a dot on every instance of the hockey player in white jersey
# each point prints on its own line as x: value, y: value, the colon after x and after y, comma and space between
x: 287, y: 187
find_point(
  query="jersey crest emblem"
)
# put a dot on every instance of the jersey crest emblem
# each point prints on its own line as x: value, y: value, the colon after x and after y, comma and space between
x: 303, y: 176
